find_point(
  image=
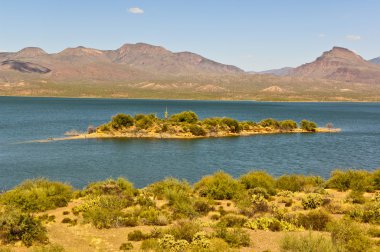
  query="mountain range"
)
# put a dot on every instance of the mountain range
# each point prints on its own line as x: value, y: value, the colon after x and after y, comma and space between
x: 146, y: 71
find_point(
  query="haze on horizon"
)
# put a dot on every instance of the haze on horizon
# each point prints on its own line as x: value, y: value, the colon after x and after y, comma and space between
x: 253, y: 35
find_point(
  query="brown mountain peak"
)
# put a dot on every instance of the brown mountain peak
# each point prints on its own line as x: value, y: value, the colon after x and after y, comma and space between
x: 29, y: 52
x: 340, y: 53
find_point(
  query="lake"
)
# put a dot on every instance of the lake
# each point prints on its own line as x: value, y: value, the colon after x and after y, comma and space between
x: 144, y: 161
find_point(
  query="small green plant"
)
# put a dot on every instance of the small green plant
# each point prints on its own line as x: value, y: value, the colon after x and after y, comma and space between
x: 218, y: 186
x: 184, y: 230
x: 315, y: 219
x: 122, y: 120
x: 197, y: 130
x: 348, y: 236
x: 309, y: 243
x: 126, y: 246
x: 235, y: 237
x: 38, y: 195
x: 312, y: 201
x: 136, y: 235
x: 308, y: 125
x: 17, y: 226
x: 259, y: 179
x: 233, y: 220
x: 186, y: 116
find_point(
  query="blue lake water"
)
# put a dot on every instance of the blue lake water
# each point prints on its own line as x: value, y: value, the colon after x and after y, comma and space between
x: 144, y: 161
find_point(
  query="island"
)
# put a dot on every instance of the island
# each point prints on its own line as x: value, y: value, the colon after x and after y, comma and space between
x: 187, y: 125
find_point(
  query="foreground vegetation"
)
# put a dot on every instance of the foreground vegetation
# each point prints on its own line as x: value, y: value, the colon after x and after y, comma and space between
x: 217, y: 213
x: 187, y: 125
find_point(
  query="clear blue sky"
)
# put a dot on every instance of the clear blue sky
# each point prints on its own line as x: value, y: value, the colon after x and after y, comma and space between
x: 251, y: 34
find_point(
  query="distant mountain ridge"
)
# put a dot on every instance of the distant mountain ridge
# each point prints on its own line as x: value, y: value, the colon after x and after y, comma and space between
x: 130, y: 58
x: 339, y: 64
x: 147, y: 71
x: 375, y: 60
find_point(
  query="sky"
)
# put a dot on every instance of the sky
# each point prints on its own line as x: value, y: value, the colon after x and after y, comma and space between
x: 254, y: 35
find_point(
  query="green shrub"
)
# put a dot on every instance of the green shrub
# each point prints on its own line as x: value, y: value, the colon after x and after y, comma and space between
x: 296, y: 183
x: 150, y: 245
x: 308, y: 125
x: 367, y: 213
x: 181, y: 205
x: 356, y: 197
x: 202, y: 206
x: 261, y: 179
x: 186, y: 116
x: 287, y: 125
x: 233, y: 220
x: 232, y: 124
x: 348, y: 236
x: 309, y: 243
x: 218, y: 186
x: 184, y: 230
x: 270, y: 122
x: 49, y: 248
x: 104, y: 127
x: 162, y: 189
x: 144, y: 121
x: 270, y: 223
x: 197, y: 130
x: 106, y: 212
x: 120, y: 187
x: 122, y: 120
x: 153, y: 216
x: 357, y: 180
x: 17, y: 226
x: 38, y: 195
x: 312, y: 201
x: 315, y: 220
x: 136, y: 235
x: 235, y: 237
x: 376, y: 179
x: 126, y: 246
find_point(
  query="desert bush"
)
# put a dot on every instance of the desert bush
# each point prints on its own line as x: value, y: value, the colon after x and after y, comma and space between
x: 308, y: 125
x: 49, y: 248
x: 186, y: 116
x: 136, y: 235
x: 270, y: 122
x: 184, y: 230
x: 38, y: 195
x: 126, y: 246
x: 122, y: 120
x: 181, y: 205
x: 153, y: 216
x: 261, y: 179
x: 367, y: 213
x: 162, y: 189
x: 287, y: 125
x: 235, y: 237
x: 355, y: 197
x: 269, y: 223
x: 309, y: 243
x: 218, y: 186
x: 203, y: 206
x: 18, y: 226
x: 197, y: 130
x: 120, y: 187
x: 233, y: 220
x: 232, y: 124
x: 296, y: 183
x: 312, y: 201
x: 376, y: 179
x: 106, y: 212
x: 150, y: 245
x: 357, y: 180
x: 104, y: 127
x: 315, y: 220
x: 348, y: 236
x: 169, y: 243
x: 144, y: 121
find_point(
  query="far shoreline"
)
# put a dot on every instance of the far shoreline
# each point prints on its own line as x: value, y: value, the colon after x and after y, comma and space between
x: 171, y: 99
